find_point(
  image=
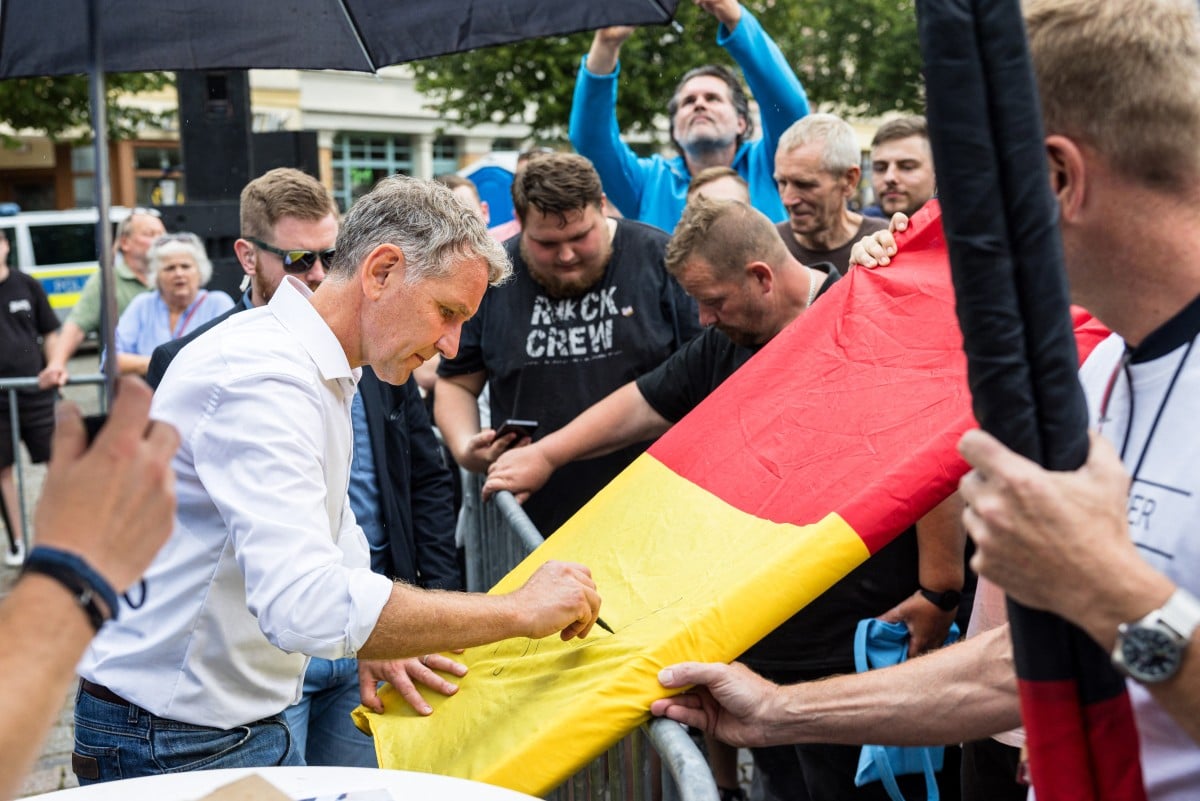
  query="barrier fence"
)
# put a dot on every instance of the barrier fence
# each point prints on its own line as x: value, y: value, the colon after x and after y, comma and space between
x: 496, y: 536
x: 11, y: 387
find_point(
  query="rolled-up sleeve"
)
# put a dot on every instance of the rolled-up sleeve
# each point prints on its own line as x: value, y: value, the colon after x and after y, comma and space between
x: 300, y: 553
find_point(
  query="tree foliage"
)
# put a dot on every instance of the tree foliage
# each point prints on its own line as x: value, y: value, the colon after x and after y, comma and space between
x: 854, y: 57
x: 60, y: 108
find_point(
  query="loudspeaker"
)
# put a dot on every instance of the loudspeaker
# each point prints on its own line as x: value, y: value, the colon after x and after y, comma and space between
x: 286, y: 149
x: 214, y: 133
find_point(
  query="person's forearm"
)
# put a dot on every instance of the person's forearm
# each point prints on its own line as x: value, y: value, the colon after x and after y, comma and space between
x: 964, y: 692
x: 50, y: 343
x: 59, y: 352
x: 52, y: 632
x: 619, y: 420
x: 941, y: 541
x: 602, y: 56
x: 1130, y: 593
x: 456, y: 413
x: 416, y: 622
x: 132, y: 364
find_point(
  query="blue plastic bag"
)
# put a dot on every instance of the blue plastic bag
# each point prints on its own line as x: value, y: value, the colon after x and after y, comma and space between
x: 877, y: 644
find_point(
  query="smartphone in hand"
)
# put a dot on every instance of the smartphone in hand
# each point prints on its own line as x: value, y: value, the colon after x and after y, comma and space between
x: 522, y: 428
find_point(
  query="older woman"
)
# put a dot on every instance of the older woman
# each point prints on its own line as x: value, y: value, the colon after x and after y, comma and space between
x: 178, y: 266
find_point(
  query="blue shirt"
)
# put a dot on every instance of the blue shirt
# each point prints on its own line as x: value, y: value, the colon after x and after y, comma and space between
x: 146, y: 322
x: 364, y: 488
x: 654, y: 189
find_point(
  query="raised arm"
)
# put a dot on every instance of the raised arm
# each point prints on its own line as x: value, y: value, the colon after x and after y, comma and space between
x: 774, y: 85
x: 622, y: 418
x: 593, y: 127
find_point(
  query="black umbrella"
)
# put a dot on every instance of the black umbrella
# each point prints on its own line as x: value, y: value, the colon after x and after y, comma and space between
x: 1006, y: 258
x: 63, y: 37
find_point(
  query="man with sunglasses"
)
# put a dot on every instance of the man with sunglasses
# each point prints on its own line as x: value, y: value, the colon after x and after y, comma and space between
x: 267, y: 564
x: 135, y: 235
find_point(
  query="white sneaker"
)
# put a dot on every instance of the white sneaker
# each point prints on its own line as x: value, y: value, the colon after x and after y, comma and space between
x: 14, y: 559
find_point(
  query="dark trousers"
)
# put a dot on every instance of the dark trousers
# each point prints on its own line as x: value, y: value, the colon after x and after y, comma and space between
x: 989, y: 772
x: 826, y: 773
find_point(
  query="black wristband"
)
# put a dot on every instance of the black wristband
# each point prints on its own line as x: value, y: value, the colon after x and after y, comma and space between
x: 946, y: 600
x: 78, y: 577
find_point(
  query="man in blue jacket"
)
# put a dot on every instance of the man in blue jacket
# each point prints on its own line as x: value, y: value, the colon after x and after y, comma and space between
x: 710, y: 120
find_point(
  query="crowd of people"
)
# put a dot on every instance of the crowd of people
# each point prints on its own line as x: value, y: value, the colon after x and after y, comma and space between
x: 305, y: 510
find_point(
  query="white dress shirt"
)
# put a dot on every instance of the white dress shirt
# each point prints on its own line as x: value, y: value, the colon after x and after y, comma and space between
x: 266, y: 564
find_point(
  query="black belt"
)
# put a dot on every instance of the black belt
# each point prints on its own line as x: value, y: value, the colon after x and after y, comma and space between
x: 102, y: 692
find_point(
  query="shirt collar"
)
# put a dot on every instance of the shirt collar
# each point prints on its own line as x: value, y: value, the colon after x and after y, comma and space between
x: 122, y: 269
x: 291, y: 306
x: 1179, y: 330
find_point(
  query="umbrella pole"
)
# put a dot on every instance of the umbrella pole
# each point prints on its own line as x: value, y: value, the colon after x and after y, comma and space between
x: 103, y: 195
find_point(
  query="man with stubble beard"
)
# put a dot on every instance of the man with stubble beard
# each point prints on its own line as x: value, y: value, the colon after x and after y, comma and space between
x: 590, y: 307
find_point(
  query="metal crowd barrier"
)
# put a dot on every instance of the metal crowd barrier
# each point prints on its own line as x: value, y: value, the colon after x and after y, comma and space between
x: 496, y: 536
x: 11, y: 386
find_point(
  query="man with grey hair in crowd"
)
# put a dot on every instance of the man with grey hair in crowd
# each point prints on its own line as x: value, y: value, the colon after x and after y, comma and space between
x: 817, y: 169
x: 266, y: 565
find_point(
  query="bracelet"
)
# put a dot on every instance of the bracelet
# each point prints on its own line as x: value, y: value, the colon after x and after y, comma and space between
x: 78, y: 577
x: 945, y: 600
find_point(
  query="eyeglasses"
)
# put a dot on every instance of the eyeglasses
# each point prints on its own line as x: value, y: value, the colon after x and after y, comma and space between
x: 144, y: 210
x: 296, y: 261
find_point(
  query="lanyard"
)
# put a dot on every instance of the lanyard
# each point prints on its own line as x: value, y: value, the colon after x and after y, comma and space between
x: 188, y: 318
x: 1123, y: 367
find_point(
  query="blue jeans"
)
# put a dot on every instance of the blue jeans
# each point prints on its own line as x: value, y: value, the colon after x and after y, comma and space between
x: 320, y: 720
x: 121, y: 741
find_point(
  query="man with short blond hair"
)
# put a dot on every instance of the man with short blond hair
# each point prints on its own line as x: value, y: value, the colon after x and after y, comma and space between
x: 729, y: 257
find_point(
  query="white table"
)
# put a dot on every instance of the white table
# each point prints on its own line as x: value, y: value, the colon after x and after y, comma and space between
x: 294, y: 782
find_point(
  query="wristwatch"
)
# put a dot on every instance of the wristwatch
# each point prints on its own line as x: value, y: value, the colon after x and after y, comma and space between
x: 1151, y: 650
x: 945, y: 600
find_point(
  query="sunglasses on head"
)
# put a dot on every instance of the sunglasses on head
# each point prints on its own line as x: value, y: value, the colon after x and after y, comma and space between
x: 295, y: 261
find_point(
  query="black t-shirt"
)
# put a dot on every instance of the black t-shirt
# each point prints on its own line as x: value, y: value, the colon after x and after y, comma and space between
x: 819, y: 640
x: 839, y: 257
x: 25, y: 317
x: 549, y: 359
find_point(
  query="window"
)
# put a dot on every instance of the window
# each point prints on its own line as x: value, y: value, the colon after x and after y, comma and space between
x: 445, y: 155
x: 63, y: 243
x: 360, y: 160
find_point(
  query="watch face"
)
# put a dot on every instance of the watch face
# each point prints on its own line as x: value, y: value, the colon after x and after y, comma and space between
x: 1150, y: 655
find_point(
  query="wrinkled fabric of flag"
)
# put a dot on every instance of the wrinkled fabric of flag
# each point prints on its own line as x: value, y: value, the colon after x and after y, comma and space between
x: 746, y: 510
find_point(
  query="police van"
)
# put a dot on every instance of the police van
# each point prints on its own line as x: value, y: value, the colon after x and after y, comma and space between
x: 58, y: 248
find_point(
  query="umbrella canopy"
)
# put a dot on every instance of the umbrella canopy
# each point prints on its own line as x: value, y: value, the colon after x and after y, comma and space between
x: 52, y: 37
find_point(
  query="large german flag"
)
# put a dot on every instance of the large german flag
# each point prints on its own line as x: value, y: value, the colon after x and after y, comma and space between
x: 834, y: 438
